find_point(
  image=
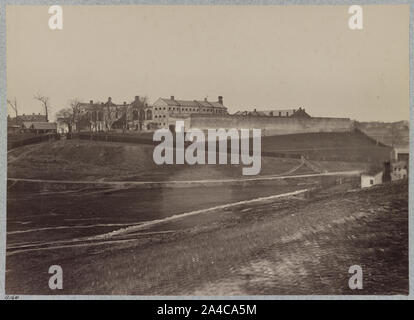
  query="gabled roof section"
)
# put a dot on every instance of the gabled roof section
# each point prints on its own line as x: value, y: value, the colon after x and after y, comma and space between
x: 205, y: 103
x: 217, y: 104
x: 373, y: 171
x: 188, y: 103
x: 170, y: 102
x: 192, y: 103
x: 40, y: 125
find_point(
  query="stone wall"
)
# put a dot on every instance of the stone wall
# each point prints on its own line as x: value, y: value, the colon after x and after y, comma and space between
x: 271, y: 125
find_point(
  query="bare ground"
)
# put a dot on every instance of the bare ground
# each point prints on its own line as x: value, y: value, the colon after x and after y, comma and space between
x: 293, y: 246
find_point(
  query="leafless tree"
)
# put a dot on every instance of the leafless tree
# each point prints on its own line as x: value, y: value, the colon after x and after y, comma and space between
x: 13, y: 105
x: 66, y: 116
x: 45, y: 102
x: 71, y: 114
x: 75, y: 106
x: 110, y: 116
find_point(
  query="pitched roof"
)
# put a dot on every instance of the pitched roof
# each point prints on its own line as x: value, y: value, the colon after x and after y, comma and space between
x: 192, y: 103
x: 294, y: 113
x: 30, y: 117
x: 170, y: 102
x: 251, y: 113
x: 401, y: 150
x: 300, y: 113
x: 40, y: 125
x: 188, y: 103
x: 205, y: 103
x: 217, y: 104
x: 276, y: 111
x: 373, y: 171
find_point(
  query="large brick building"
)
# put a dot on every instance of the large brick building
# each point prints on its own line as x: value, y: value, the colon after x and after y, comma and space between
x: 139, y: 116
x: 105, y: 116
x: 166, y: 109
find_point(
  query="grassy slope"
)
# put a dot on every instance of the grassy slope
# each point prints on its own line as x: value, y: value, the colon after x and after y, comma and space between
x: 354, y: 146
x: 85, y: 160
x: 92, y: 160
x: 393, y: 133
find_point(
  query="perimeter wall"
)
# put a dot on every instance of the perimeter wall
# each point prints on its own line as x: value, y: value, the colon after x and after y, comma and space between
x: 271, y: 125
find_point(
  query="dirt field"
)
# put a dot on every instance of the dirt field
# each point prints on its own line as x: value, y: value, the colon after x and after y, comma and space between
x: 222, y: 239
x: 282, y: 246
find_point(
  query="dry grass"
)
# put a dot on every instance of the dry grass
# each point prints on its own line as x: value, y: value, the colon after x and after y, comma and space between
x: 85, y: 160
x: 284, y: 247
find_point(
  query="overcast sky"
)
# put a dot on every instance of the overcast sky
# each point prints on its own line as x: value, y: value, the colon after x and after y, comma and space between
x: 264, y: 57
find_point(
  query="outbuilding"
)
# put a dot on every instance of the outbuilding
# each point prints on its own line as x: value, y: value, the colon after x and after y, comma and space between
x: 371, y: 178
x: 40, y: 127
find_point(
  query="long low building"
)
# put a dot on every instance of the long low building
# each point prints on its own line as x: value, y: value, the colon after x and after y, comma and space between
x: 166, y: 109
x: 39, y: 127
x: 138, y: 115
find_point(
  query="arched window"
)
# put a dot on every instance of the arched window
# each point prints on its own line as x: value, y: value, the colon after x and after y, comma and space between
x: 135, y: 115
x: 149, y: 115
x: 141, y: 114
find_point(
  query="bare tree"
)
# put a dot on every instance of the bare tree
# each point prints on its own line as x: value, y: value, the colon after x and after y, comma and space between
x: 75, y: 106
x: 71, y: 114
x: 142, y: 114
x: 66, y: 116
x: 45, y: 102
x: 110, y: 116
x: 13, y: 105
x: 65, y: 113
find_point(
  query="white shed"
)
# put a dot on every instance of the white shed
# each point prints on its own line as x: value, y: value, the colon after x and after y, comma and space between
x: 370, y: 179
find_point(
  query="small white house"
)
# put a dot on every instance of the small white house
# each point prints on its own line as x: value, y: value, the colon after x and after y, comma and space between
x: 371, y: 179
x: 400, y: 154
x: 399, y: 170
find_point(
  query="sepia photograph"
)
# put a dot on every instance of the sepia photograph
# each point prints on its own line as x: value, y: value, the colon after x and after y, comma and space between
x: 206, y: 150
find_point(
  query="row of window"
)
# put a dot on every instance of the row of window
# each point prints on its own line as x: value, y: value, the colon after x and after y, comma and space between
x: 99, y: 115
x: 399, y: 168
x: 188, y: 109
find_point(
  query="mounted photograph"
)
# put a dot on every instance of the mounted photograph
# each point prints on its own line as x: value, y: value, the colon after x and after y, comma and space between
x: 207, y: 150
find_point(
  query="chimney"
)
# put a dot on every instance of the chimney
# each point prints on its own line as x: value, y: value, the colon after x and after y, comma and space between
x: 124, y: 103
x: 91, y: 101
x: 387, y: 171
x: 205, y: 99
x: 109, y: 99
x: 136, y: 98
x: 33, y: 113
x: 172, y: 97
x: 220, y: 99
